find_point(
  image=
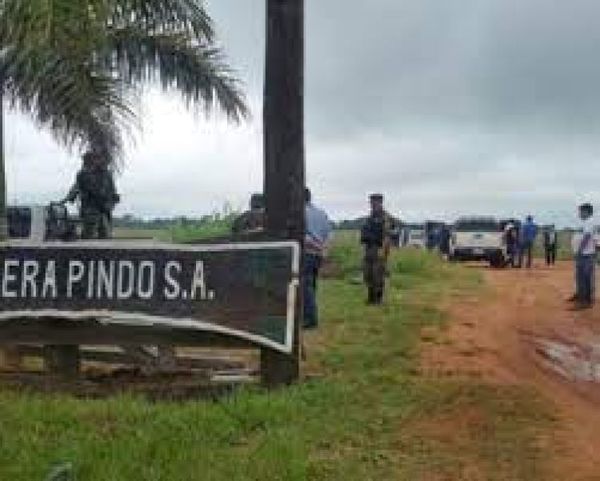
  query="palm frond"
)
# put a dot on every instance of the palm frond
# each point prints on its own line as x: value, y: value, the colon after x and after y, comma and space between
x: 161, y: 16
x: 198, y: 72
x: 76, y: 65
x: 80, y: 107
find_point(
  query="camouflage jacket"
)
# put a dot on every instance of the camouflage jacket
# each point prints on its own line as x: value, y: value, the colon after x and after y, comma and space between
x: 95, y: 189
x: 377, y: 230
x: 249, y: 222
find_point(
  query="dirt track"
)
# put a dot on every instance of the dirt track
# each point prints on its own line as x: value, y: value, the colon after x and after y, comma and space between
x: 519, y: 330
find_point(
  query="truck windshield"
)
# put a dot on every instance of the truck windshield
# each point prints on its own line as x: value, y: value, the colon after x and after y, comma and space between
x: 477, y: 226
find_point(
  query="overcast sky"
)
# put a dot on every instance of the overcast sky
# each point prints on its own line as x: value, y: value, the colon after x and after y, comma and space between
x: 447, y: 107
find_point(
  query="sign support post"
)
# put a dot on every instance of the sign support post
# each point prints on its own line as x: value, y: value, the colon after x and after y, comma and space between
x: 284, y: 155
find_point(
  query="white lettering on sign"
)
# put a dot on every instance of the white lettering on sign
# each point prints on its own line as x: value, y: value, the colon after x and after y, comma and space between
x: 106, y: 276
x: 91, y: 278
x: 172, y: 290
x: 76, y: 272
x: 198, y: 281
x: 126, y: 280
x: 9, y: 277
x: 145, y: 283
x: 31, y: 270
x: 50, y: 280
x: 104, y: 279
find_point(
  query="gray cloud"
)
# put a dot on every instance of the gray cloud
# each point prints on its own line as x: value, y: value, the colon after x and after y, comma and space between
x: 447, y: 107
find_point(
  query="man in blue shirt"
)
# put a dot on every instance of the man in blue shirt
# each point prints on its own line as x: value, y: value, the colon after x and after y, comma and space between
x: 318, y: 231
x: 528, y: 234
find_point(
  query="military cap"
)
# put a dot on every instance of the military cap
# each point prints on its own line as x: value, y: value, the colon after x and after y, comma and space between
x: 376, y: 197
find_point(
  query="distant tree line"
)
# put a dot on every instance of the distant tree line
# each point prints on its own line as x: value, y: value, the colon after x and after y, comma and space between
x: 130, y: 221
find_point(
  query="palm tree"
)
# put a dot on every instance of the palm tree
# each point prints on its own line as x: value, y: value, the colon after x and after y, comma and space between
x: 77, y: 66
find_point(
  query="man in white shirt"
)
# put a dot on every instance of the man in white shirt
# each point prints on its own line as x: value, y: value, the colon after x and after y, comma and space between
x: 318, y: 232
x: 584, y: 250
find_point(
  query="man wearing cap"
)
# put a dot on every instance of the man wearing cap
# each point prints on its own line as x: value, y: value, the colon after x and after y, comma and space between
x: 375, y: 237
x: 584, y: 250
x: 252, y: 221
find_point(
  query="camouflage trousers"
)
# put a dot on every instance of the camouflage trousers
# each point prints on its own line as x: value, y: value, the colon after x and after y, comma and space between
x: 95, y: 224
x: 374, y: 268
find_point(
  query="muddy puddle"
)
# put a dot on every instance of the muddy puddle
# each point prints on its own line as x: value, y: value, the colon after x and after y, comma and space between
x: 571, y: 360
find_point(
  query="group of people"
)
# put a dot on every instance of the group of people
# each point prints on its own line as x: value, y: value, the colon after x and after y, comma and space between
x: 95, y: 190
x: 520, y: 239
x: 520, y: 242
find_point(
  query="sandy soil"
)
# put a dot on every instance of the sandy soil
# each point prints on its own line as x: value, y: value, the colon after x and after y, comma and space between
x: 520, y: 330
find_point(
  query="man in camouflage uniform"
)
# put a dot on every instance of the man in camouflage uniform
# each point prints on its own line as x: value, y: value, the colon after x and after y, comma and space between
x: 252, y: 221
x: 95, y: 188
x: 375, y: 236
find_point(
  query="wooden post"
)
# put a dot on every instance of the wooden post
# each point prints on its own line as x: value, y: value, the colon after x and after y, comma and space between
x: 284, y: 153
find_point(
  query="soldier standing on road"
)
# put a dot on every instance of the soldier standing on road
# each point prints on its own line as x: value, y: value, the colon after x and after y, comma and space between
x: 550, y: 244
x: 375, y: 236
x: 95, y: 188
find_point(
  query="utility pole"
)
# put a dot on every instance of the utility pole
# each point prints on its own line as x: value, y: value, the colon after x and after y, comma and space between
x: 284, y: 154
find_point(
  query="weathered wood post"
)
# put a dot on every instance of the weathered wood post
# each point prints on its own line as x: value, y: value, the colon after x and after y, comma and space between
x: 284, y: 153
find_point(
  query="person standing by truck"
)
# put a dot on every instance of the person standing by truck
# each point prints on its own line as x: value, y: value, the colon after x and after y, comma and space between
x: 529, y: 233
x: 512, y: 243
x: 375, y: 237
x: 584, y: 250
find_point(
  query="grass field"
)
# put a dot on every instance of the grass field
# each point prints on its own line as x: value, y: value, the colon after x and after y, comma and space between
x: 365, y: 414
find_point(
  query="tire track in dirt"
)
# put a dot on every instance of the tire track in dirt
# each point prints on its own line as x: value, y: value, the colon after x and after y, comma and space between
x: 501, y: 336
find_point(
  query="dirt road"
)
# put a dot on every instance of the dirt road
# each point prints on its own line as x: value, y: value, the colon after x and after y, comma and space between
x: 519, y: 330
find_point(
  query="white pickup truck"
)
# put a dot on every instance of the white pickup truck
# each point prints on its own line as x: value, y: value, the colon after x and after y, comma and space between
x: 478, y: 239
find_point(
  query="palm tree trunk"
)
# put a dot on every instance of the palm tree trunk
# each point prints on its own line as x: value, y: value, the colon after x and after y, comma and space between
x: 284, y: 151
x: 10, y: 354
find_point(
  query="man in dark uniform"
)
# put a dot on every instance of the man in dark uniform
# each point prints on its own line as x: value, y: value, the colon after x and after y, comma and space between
x: 252, y: 221
x: 375, y: 236
x: 95, y: 188
x: 550, y: 245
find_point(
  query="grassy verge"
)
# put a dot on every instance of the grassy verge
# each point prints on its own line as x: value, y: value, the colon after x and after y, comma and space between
x: 366, y: 413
